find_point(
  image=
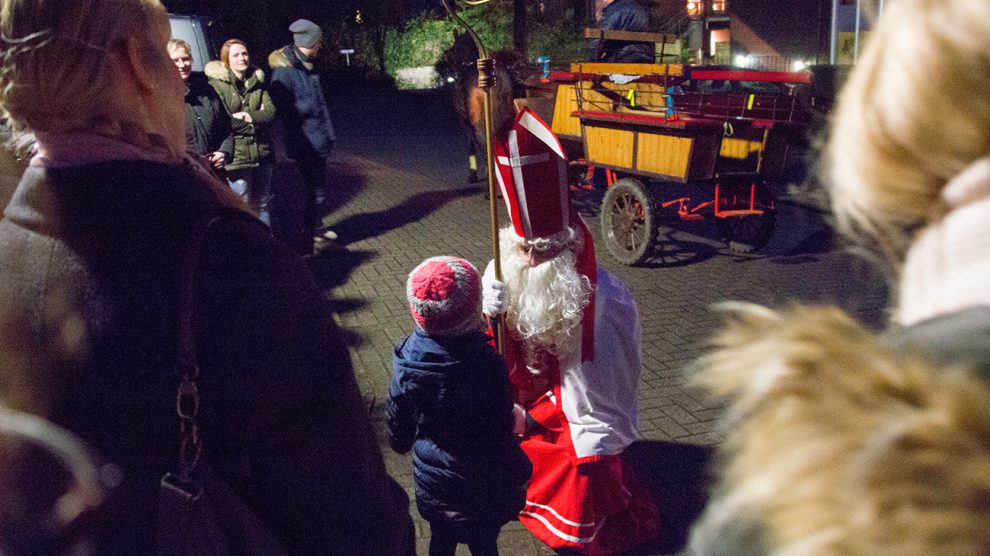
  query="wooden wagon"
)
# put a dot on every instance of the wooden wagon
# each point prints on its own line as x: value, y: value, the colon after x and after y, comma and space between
x: 725, y: 131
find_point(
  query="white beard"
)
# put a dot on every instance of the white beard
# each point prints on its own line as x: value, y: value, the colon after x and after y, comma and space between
x: 545, y: 303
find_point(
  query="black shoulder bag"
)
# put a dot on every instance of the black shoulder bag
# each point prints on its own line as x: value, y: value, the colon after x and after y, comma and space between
x: 198, y: 513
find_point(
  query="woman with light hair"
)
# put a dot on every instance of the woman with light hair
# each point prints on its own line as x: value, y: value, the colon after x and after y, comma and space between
x: 840, y: 441
x: 208, y: 129
x: 97, y: 231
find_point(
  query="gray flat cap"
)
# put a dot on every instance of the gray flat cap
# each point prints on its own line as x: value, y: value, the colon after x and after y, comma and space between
x: 305, y: 33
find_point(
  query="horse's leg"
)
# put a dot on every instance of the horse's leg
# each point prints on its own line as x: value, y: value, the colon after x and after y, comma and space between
x: 472, y: 141
x: 461, y: 91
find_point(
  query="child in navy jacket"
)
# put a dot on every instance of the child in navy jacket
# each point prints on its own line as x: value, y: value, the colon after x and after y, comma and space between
x: 451, y: 402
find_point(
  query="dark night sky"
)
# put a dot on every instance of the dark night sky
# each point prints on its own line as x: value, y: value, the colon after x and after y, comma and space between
x: 795, y: 27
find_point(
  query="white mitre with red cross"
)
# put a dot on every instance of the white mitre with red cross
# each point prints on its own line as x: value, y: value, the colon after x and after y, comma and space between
x: 532, y: 171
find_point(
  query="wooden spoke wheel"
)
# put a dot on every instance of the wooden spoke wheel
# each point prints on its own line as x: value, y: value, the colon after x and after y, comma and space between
x: 628, y: 221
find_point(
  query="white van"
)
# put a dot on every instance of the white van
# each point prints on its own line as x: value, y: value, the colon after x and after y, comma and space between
x: 195, y: 30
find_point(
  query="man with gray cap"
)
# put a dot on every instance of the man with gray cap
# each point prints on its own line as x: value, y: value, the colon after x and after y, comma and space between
x: 299, y: 102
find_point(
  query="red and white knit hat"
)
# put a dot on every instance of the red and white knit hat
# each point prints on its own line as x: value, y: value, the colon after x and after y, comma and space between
x: 532, y: 171
x: 444, y: 296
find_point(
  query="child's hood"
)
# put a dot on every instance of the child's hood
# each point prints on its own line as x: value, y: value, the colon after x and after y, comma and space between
x: 424, y: 353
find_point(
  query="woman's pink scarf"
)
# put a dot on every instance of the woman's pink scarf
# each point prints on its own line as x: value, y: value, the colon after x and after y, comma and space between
x: 61, y: 150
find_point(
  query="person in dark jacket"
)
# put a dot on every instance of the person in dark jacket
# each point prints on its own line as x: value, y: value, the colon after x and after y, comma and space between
x: 623, y: 15
x: 208, y: 131
x: 244, y: 93
x: 302, y: 107
x: 92, y: 243
x: 450, y: 400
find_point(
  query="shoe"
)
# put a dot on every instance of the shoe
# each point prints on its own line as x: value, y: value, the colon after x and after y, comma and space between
x: 328, y: 234
x: 323, y: 245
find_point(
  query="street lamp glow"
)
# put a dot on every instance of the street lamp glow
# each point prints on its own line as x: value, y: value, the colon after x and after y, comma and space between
x: 743, y: 60
x: 799, y: 65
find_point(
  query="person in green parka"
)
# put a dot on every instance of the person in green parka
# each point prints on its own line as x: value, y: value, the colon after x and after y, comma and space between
x: 244, y: 91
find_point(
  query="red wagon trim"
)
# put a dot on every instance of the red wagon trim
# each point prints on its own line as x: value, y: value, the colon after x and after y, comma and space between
x: 761, y: 76
x: 681, y: 122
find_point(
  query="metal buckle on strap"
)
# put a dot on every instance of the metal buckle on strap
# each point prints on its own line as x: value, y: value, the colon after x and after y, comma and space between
x: 187, y: 488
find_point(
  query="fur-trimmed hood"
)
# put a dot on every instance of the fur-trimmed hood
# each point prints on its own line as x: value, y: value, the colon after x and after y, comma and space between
x: 289, y: 57
x: 279, y: 59
x: 217, y: 70
x: 837, y: 443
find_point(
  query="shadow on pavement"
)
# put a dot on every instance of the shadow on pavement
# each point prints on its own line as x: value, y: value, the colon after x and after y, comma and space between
x: 670, y: 253
x: 333, y: 269
x: 344, y: 185
x: 413, y: 209
x: 678, y: 476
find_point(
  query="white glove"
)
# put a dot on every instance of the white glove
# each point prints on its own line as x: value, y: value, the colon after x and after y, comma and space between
x: 493, y: 302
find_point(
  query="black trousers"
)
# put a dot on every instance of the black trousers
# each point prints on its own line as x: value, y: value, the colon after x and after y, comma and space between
x: 481, y: 540
x: 314, y: 177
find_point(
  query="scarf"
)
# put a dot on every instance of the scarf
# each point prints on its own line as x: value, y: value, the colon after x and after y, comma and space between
x: 305, y: 60
x: 63, y: 150
x: 947, y: 268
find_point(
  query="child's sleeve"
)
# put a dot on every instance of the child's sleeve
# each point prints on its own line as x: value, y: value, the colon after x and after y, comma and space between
x: 400, y: 414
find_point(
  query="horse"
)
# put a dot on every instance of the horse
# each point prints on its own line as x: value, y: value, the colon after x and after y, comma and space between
x: 458, y: 65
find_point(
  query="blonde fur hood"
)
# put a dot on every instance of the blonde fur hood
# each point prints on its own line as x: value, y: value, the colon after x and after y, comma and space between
x: 278, y: 59
x: 837, y: 445
x: 216, y: 70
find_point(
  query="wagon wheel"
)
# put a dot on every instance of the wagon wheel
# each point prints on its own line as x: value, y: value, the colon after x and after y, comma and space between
x: 628, y: 220
x: 749, y: 233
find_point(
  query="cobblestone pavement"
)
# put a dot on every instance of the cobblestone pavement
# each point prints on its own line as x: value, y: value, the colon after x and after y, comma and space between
x: 400, y: 196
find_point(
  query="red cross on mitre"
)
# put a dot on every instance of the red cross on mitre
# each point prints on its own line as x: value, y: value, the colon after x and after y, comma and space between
x: 532, y: 171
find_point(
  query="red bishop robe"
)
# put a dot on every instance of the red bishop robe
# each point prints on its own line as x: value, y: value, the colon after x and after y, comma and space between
x: 582, y: 496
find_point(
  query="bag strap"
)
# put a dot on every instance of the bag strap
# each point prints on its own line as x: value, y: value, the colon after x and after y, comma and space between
x: 202, y: 514
x: 187, y: 400
x: 187, y: 396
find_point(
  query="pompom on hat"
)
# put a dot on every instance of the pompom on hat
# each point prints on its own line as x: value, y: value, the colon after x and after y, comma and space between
x: 444, y: 296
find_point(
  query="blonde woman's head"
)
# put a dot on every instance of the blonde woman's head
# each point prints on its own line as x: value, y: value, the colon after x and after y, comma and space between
x: 89, y: 65
x: 915, y: 112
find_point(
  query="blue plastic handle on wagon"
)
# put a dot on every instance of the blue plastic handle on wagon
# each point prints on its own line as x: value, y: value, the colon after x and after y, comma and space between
x: 545, y: 62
